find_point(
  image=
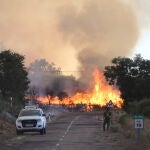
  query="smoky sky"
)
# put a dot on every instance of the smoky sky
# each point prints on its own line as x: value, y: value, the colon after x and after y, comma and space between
x: 75, y: 35
x: 100, y: 30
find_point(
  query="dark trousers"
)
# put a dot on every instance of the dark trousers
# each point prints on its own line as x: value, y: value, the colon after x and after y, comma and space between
x: 106, y: 123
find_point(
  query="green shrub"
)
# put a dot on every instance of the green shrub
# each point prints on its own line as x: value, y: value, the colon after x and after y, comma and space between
x: 122, y: 120
x: 4, y: 106
x: 139, y: 107
x: 133, y: 108
x: 146, y: 111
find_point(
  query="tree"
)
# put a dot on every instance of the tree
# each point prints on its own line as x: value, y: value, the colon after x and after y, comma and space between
x: 42, y: 73
x: 132, y: 76
x: 42, y: 66
x: 62, y: 95
x: 13, y: 76
x: 49, y: 94
x: 32, y: 93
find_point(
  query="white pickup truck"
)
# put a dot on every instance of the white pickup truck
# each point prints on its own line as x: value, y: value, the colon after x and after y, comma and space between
x: 31, y: 119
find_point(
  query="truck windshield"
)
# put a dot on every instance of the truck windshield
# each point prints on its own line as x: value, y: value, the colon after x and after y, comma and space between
x: 30, y: 113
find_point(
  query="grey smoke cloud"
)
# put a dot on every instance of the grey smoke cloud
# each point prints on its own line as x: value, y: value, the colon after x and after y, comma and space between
x: 69, y: 32
x: 99, y: 31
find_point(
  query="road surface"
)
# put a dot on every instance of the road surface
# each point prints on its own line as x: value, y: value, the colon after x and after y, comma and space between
x: 74, y: 131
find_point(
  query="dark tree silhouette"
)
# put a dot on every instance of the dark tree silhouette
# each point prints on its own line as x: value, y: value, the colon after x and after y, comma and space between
x: 13, y: 76
x: 132, y: 76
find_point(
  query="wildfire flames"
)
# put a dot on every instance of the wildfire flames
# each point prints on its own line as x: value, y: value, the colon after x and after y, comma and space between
x: 101, y: 94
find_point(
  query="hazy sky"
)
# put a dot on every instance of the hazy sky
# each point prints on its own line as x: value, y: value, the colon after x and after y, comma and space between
x: 143, y: 13
x: 74, y: 33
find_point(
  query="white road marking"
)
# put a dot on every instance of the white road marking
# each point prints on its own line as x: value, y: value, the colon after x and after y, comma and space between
x: 67, y: 130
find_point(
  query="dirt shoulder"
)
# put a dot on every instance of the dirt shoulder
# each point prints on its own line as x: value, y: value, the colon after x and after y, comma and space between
x: 123, y: 123
x: 7, y: 129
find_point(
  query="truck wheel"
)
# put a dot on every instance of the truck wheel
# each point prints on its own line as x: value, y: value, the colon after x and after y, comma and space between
x: 42, y: 131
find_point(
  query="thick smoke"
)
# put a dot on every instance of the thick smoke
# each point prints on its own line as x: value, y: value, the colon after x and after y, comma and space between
x: 47, y: 78
x: 99, y: 31
x: 69, y: 32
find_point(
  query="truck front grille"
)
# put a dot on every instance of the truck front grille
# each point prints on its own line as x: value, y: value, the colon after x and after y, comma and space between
x: 29, y: 123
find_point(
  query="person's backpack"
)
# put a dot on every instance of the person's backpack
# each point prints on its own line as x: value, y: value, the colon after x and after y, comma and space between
x: 107, y: 115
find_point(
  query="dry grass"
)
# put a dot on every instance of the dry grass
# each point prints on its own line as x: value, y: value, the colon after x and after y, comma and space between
x: 130, y: 134
x: 7, y: 129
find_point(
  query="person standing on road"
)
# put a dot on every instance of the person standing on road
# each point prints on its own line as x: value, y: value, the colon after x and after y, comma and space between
x: 107, y: 119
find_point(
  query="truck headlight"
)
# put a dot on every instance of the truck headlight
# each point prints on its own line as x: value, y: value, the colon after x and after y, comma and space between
x: 18, y: 121
x: 39, y: 120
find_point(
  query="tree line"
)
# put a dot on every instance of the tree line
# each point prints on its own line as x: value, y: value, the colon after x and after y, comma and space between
x: 13, y: 78
x: 131, y: 76
x: 18, y: 83
x: 48, y: 80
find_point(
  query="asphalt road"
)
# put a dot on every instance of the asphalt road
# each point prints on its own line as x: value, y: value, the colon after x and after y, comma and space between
x: 78, y: 131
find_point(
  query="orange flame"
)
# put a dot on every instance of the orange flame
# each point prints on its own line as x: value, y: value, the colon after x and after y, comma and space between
x: 101, y: 94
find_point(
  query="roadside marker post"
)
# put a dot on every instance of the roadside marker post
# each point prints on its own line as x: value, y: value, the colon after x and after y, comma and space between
x: 138, y: 125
